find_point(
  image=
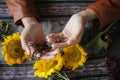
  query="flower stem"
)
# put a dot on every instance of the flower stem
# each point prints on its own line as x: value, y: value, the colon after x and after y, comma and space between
x: 63, y: 76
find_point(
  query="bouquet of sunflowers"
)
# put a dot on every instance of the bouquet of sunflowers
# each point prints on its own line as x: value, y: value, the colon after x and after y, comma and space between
x: 74, y: 56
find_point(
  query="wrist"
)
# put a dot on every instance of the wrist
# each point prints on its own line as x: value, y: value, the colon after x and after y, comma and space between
x: 29, y: 20
x: 87, y: 15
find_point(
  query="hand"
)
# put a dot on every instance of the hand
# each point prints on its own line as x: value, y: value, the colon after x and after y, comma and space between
x: 73, y: 31
x: 32, y: 34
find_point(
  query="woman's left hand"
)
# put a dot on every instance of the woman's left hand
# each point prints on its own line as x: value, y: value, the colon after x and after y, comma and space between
x: 73, y: 31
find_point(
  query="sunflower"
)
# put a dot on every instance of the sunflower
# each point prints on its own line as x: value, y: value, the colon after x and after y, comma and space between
x: 47, y: 67
x: 74, y: 56
x: 12, y: 50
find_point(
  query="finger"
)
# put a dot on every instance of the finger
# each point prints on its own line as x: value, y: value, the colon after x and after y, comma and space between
x: 51, y: 40
x: 72, y: 40
x: 28, y: 50
x: 25, y: 46
x: 53, y: 35
x: 53, y: 52
x: 59, y: 45
x: 47, y: 57
x: 32, y: 50
x: 65, y: 40
x: 60, y: 35
x: 23, y: 43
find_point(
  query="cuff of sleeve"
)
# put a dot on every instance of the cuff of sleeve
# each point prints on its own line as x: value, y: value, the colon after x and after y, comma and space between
x: 21, y: 9
x: 105, y: 11
x: 98, y: 14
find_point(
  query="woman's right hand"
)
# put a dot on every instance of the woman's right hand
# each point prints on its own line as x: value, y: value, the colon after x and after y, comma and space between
x: 32, y: 34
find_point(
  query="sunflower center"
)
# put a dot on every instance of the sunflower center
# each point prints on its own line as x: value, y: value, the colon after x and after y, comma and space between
x: 75, y: 55
x: 16, y: 50
x: 17, y: 53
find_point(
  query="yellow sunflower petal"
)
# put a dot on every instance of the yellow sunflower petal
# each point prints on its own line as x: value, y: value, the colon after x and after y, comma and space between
x: 47, y: 67
x: 74, y: 56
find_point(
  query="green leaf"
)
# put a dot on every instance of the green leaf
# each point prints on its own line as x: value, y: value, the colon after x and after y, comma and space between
x: 97, y: 43
x: 5, y: 29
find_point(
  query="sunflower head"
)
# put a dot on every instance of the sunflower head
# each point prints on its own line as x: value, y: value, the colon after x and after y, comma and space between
x: 74, y: 56
x: 47, y: 67
x: 15, y: 49
x: 12, y: 50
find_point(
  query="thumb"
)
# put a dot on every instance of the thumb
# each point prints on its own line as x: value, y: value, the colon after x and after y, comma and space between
x: 25, y: 46
x: 76, y: 38
x: 72, y: 40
